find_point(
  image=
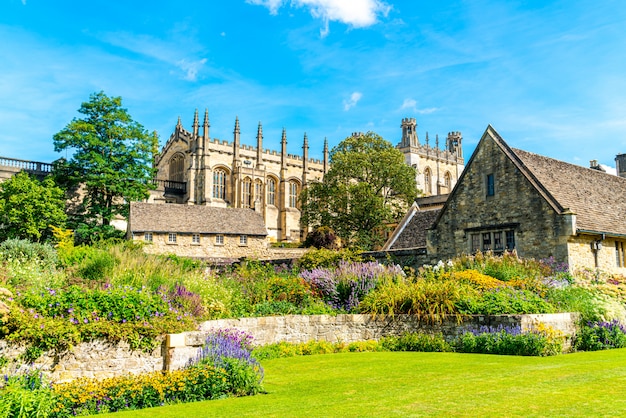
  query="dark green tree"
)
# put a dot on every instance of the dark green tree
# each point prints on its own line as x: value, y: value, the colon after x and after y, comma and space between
x: 111, y: 164
x: 368, y: 188
x: 29, y: 207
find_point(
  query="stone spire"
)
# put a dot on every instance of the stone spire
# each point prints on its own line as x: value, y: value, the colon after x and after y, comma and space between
x: 236, y: 139
x: 305, y: 159
x: 195, y: 124
x: 325, y: 155
x: 283, y: 150
x: 205, y: 128
x: 259, y: 145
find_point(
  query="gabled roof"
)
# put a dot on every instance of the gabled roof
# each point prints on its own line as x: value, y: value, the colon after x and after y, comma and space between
x: 411, y: 232
x: 596, y: 198
x: 169, y: 217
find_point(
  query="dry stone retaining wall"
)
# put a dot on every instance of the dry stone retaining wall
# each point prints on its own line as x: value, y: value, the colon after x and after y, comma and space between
x: 100, y: 359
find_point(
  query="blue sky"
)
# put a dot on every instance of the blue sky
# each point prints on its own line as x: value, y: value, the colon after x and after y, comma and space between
x: 550, y: 76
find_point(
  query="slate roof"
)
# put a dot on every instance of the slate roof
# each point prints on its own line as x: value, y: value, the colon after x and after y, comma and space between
x: 411, y: 232
x: 197, y: 219
x: 598, y: 199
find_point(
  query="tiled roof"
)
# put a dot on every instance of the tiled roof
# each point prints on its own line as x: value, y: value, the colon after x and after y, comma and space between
x: 415, y: 231
x: 194, y: 219
x: 598, y: 199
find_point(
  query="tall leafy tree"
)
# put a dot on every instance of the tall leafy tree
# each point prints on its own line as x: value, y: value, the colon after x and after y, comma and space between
x: 111, y: 163
x: 368, y: 187
x: 29, y: 208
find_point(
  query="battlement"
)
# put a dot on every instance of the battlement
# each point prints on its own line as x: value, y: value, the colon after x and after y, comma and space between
x: 409, y: 121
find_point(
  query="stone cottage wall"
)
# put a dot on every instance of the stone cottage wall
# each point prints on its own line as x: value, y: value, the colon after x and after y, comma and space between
x: 515, y: 205
x: 99, y: 359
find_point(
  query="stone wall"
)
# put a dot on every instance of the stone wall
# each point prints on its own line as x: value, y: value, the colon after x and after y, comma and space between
x: 351, y: 328
x: 100, y: 359
x: 515, y: 205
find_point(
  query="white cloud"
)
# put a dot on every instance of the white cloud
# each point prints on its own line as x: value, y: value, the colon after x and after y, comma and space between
x: 409, y: 104
x: 354, y: 99
x: 191, y: 68
x: 354, y: 13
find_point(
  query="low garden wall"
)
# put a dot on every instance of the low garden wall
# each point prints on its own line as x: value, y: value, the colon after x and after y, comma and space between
x: 101, y: 359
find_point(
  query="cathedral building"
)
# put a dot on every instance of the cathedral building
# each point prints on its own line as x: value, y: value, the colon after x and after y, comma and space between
x: 195, y: 169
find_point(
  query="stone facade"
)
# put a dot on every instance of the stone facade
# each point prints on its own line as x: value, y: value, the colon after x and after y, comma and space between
x: 509, y: 199
x: 213, y: 233
x: 197, y: 170
x: 438, y: 169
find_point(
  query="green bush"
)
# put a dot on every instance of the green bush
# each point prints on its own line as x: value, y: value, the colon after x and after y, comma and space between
x: 577, y: 299
x: 509, y: 341
x: 26, y: 395
x: 326, y: 258
x: 505, y: 300
x: 416, y: 341
x: 25, y: 251
x: 601, y: 336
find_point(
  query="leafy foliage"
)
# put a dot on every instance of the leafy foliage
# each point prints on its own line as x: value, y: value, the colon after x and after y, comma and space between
x: 601, y: 336
x: 29, y: 208
x: 511, y: 341
x: 367, y: 188
x: 111, y: 162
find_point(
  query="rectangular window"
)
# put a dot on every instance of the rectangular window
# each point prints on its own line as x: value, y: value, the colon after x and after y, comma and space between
x: 271, y: 192
x: 510, y: 240
x: 171, y: 238
x: 147, y: 236
x: 195, y: 239
x: 486, y: 241
x: 243, y: 240
x: 293, y: 195
x: 490, y: 185
x: 219, y: 240
x: 620, y: 254
x: 475, y: 242
x: 497, y: 241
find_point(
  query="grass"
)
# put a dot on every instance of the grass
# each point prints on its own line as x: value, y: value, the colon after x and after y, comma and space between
x: 426, y: 384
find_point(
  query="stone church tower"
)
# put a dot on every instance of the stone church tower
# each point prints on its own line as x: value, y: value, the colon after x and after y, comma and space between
x: 437, y: 169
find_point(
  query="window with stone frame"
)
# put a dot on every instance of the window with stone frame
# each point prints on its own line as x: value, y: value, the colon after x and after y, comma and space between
x: 195, y: 238
x: 243, y: 240
x: 271, y: 191
x: 147, y: 236
x: 620, y: 253
x: 171, y: 238
x: 258, y: 193
x: 246, y: 193
x: 219, y: 240
x: 428, y: 187
x: 447, y: 180
x: 293, y: 194
x: 491, y: 190
x: 219, y: 184
x: 497, y: 241
x: 177, y: 168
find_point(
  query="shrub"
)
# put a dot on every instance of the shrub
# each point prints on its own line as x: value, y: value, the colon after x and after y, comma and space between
x: 577, y: 299
x: 232, y: 350
x: 322, y: 237
x: 505, y: 301
x: 25, y: 251
x: 601, y: 336
x: 345, y: 286
x: 510, y: 341
x: 326, y: 258
x: 25, y: 395
x: 416, y: 341
x: 430, y: 300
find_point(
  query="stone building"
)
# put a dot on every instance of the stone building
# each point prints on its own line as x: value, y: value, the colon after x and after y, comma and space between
x: 199, y: 231
x: 194, y: 169
x: 512, y: 199
x: 437, y: 169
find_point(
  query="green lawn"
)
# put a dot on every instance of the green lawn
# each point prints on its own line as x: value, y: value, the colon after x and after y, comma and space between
x: 427, y: 384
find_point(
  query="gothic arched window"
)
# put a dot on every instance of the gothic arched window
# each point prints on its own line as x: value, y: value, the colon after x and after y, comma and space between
x: 219, y: 184
x: 428, y: 187
x: 271, y: 191
x: 177, y: 168
x: 293, y: 194
x: 246, y: 193
x: 447, y: 180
